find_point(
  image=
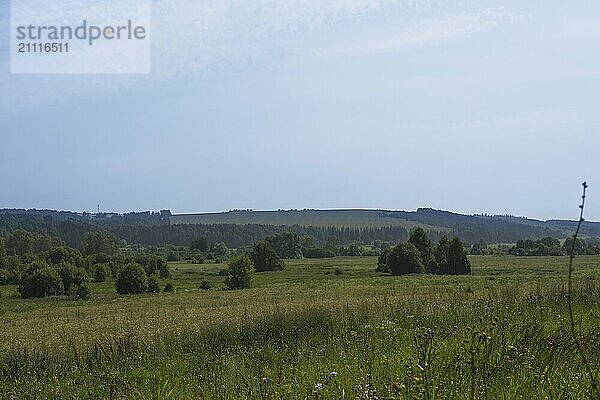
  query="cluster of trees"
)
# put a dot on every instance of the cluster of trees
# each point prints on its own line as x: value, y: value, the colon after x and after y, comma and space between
x: 62, y: 270
x: 552, y: 247
x: 41, y: 279
x: 418, y: 255
x: 262, y: 258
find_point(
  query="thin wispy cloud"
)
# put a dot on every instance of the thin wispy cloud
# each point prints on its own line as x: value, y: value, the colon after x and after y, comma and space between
x: 191, y: 37
x: 393, y: 37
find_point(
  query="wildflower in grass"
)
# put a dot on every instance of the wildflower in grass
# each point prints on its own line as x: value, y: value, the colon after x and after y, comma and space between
x: 318, y: 387
x: 265, y: 380
x: 332, y: 374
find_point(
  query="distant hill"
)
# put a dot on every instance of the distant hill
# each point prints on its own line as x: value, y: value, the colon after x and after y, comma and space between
x: 244, y: 227
x: 339, y: 218
x: 466, y: 226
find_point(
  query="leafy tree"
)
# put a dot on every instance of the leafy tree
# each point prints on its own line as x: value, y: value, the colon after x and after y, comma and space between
x: 382, y: 265
x: 101, y: 271
x: 441, y: 256
x: 19, y: 242
x: 63, y: 254
x: 458, y: 262
x: 132, y: 279
x: 40, y: 280
x: 155, y: 265
x: 8, y: 277
x: 307, y: 242
x: 84, y: 292
x: 479, y: 248
x: 286, y: 245
x: 100, y: 242
x: 100, y: 258
x: 72, y: 277
x: 2, y: 249
x: 219, y: 249
x: 421, y: 241
x: 41, y: 242
x: 354, y: 250
x: 239, y: 273
x: 332, y: 243
x: 405, y: 258
x: 200, y: 243
x: 153, y: 284
x: 265, y: 258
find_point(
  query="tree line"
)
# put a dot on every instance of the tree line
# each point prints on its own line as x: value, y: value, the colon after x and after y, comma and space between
x: 63, y: 270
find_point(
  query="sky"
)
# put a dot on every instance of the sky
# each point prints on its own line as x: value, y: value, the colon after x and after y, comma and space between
x: 470, y: 106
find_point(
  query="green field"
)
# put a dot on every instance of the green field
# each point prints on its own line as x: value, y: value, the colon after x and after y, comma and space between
x: 498, y: 334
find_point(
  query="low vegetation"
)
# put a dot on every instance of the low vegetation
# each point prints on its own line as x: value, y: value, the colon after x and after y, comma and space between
x: 415, y: 319
x: 311, y: 333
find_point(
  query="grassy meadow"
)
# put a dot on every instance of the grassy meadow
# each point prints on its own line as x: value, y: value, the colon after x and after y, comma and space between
x: 322, y: 329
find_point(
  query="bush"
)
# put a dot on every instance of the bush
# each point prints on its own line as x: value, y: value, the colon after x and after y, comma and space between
x: 153, y: 284
x: 405, y: 259
x: 169, y: 288
x: 155, y: 264
x: 83, y: 292
x: 72, y: 277
x: 100, y: 242
x: 317, y: 253
x: 265, y: 258
x: 115, y: 269
x: 421, y: 241
x: 63, y: 254
x: 173, y: 256
x: 8, y: 277
x: 458, y: 262
x: 99, y: 258
x: 101, y: 272
x: 132, y: 280
x: 40, y: 280
x: 239, y: 273
x: 382, y: 265
x: 206, y: 285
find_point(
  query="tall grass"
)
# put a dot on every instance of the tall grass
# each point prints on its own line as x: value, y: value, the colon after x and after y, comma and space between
x: 505, y: 344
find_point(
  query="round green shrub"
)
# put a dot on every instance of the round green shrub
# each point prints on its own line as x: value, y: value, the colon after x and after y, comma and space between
x: 101, y: 272
x: 206, y: 285
x: 265, y: 258
x: 40, y: 280
x: 405, y: 259
x: 72, y: 277
x: 132, y: 280
x: 169, y: 288
x: 239, y: 273
x: 84, y: 292
x: 153, y: 284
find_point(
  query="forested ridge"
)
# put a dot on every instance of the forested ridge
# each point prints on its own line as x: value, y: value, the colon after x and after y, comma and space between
x: 155, y: 228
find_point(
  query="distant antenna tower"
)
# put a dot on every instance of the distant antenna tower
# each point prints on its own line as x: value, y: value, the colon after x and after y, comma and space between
x: 98, y: 208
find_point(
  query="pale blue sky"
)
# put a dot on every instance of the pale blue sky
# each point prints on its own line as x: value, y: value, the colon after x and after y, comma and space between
x: 471, y: 106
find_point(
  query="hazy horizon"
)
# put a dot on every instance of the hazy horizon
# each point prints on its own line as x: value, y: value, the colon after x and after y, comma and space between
x: 174, y: 212
x: 473, y: 106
